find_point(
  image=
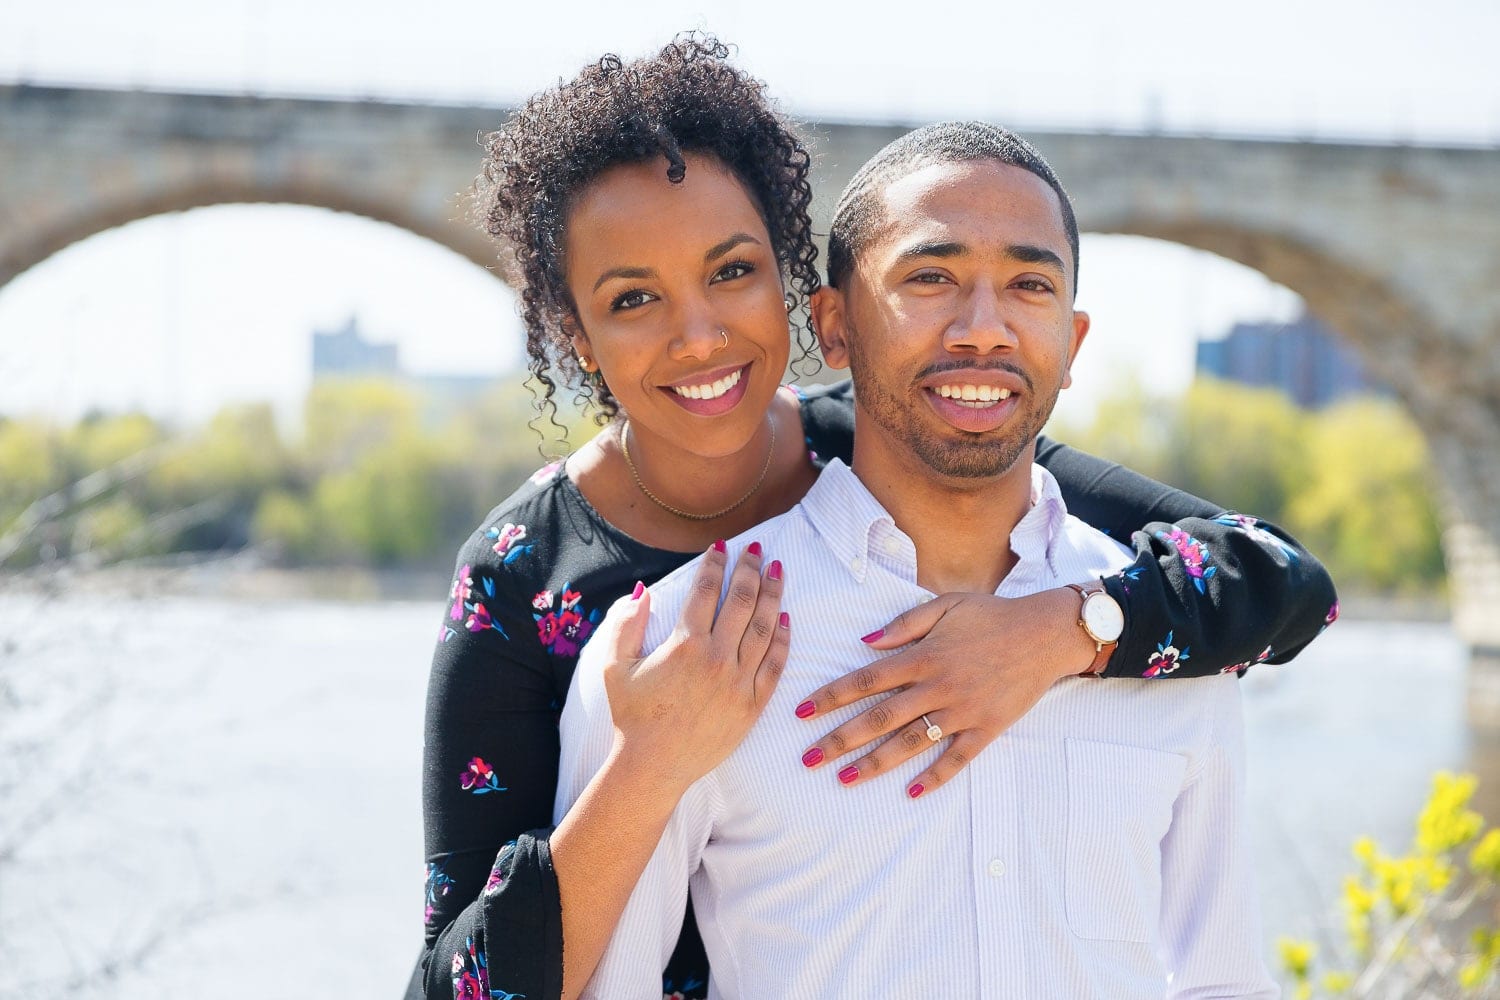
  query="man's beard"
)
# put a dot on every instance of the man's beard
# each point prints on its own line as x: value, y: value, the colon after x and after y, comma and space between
x: 969, y: 456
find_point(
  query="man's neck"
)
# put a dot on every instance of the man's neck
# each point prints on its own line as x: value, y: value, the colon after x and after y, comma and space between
x: 960, y: 527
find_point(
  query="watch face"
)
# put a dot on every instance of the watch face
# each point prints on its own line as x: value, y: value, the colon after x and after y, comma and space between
x: 1103, y: 617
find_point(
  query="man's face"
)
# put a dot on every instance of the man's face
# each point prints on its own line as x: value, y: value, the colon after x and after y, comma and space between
x: 957, y: 320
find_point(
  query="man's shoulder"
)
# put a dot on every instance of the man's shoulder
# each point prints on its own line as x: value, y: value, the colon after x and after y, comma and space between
x: 1081, y: 551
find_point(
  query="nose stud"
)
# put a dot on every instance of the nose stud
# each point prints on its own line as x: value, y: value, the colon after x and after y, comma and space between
x: 726, y: 338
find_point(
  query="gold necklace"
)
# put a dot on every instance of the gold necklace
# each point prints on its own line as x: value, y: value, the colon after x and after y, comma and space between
x: 635, y: 474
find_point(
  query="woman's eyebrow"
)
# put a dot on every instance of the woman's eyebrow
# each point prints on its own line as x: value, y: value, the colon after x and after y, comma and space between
x: 624, y: 272
x: 720, y: 249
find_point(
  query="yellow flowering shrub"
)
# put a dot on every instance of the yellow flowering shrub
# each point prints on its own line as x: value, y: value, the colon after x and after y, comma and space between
x: 1404, y: 914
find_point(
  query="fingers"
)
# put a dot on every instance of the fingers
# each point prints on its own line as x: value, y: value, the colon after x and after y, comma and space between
x: 623, y: 630
x: 774, y: 660
x: 910, y: 625
x: 961, y: 750
x: 697, y: 617
x: 741, y: 600
x: 873, y: 723
x: 872, y: 678
x: 760, y: 630
x: 908, y: 740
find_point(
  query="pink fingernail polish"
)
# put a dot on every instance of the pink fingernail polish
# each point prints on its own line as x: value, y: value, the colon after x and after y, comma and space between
x: 806, y: 709
x: 640, y: 588
x: 754, y: 548
x: 915, y: 790
x: 872, y: 636
x: 812, y: 758
x: 848, y: 774
x: 774, y: 570
x: 785, y: 620
x: 719, y: 545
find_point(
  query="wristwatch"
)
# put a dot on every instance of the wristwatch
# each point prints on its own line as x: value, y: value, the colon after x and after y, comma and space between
x: 1102, y: 621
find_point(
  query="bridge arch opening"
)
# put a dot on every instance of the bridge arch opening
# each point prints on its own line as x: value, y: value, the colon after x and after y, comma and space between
x: 1299, y: 467
x: 215, y: 300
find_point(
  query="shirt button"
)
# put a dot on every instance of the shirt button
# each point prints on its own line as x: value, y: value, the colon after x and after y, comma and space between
x: 858, y: 565
x: 890, y: 546
x: 997, y: 868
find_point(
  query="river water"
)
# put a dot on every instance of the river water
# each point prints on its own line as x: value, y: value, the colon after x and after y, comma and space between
x: 205, y: 797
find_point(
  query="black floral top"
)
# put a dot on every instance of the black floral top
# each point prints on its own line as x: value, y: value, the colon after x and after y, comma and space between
x: 1209, y: 591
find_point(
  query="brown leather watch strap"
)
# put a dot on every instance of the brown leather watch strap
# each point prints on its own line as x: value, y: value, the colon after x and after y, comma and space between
x: 1103, y: 650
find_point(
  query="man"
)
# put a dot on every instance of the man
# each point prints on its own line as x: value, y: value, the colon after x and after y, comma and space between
x: 1096, y: 849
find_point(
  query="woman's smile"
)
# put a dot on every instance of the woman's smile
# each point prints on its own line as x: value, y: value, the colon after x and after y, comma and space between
x: 710, y: 393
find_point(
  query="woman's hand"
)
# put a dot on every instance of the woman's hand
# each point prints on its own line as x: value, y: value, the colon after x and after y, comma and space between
x: 686, y: 706
x: 975, y: 664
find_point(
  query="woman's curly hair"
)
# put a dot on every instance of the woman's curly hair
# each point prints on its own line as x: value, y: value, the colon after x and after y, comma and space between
x: 686, y: 98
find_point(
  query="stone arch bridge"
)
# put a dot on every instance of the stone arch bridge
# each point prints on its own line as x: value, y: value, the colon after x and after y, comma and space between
x: 1397, y: 247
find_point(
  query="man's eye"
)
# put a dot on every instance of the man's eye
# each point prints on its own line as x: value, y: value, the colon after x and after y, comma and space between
x: 734, y: 269
x: 1034, y: 285
x: 630, y: 300
x: 930, y: 278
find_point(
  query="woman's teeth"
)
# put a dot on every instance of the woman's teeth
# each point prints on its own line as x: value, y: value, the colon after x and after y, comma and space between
x: 711, y: 390
x: 975, y: 396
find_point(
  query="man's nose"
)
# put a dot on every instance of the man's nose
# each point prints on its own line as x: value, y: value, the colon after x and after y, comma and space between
x: 980, y: 325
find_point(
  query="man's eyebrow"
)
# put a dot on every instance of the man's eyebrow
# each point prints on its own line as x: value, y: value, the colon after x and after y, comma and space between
x: 720, y: 249
x: 931, y: 249
x: 624, y: 272
x: 1026, y: 253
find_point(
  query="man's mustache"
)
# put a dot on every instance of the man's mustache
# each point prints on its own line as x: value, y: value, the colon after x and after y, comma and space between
x: 945, y: 367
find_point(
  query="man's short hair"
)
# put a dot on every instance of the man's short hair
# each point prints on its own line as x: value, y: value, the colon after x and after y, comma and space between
x: 859, y: 209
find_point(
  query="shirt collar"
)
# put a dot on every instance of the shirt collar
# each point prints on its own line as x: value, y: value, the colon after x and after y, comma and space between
x: 846, y: 515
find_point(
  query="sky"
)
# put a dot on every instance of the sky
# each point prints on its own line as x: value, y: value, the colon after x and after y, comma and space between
x: 178, y: 314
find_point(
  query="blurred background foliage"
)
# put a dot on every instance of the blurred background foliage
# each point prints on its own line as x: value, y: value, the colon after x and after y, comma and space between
x: 376, y: 476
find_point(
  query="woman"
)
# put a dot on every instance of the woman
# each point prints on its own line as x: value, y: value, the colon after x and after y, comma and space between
x: 658, y: 215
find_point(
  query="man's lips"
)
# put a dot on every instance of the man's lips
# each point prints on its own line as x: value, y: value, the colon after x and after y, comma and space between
x: 974, y: 400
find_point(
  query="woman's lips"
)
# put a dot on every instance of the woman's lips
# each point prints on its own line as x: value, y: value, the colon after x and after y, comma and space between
x: 717, y: 391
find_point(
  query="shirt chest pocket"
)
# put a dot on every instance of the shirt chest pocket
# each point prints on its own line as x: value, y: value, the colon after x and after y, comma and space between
x: 1120, y: 802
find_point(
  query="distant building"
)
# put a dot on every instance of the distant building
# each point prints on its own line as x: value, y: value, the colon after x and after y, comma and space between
x: 1303, y: 358
x: 347, y: 352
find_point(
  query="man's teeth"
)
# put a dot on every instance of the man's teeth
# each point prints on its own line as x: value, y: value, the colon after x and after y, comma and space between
x: 977, y: 395
x: 711, y: 390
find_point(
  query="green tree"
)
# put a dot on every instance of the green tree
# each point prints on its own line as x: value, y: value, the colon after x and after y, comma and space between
x: 1246, y: 448
x: 1367, y: 507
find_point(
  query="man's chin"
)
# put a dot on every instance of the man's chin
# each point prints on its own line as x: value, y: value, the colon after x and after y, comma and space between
x: 976, y: 460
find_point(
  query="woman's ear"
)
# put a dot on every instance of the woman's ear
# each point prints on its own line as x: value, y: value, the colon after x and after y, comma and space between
x: 580, y: 340
x: 827, y: 309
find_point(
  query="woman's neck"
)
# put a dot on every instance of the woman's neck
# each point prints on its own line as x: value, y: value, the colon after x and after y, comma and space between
x: 694, y: 483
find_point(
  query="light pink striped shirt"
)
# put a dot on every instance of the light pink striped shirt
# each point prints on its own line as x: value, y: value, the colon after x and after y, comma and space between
x: 1096, y: 849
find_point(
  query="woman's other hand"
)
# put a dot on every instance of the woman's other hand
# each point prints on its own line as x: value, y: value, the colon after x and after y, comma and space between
x: 689, y: 703
x: 973, y: 664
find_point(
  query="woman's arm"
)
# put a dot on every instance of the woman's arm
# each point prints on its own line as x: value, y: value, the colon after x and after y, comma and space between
x: 677, y: 714
x: 1227, y: 591
x: 499, y: 916
x: 492, y: 911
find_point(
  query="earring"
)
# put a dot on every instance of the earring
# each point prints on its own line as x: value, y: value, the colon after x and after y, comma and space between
x: 585, y: 362
x: 790, y: 302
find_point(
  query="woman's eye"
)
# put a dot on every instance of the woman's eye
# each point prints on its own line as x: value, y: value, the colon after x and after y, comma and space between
x: 734, y: 269
x: 630, y: 300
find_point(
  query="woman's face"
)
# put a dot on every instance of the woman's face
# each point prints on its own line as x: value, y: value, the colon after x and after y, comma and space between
x: 679, y: 301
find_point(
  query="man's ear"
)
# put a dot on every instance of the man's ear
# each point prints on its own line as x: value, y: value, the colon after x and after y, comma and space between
x: 1080, y: 331
x: 827, y: 309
